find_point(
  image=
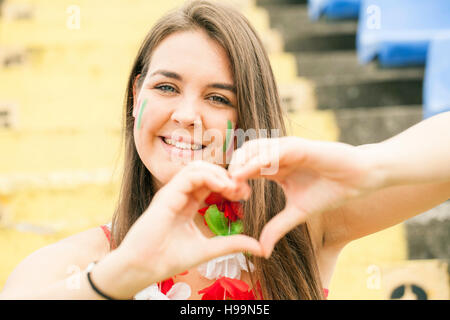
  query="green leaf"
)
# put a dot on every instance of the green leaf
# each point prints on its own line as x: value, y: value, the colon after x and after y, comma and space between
x: 236, y: 227
x: 216, y: 221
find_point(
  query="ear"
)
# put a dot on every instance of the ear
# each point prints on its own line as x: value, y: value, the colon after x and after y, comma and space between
x: 135, y: 95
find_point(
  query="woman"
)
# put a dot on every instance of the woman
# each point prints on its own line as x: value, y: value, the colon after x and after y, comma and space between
x: 203, y: 67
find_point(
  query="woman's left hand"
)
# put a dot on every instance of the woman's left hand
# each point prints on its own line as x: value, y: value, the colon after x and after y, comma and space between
x: 315, y: 176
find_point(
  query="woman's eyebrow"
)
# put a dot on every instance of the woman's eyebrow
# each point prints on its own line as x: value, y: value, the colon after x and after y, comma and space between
x: 168, y: 74
x: 223, y: 86
x: 174, y: 75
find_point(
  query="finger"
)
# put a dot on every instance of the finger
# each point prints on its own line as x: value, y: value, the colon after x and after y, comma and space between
x: 254, y: 167
x: 277, y: 228
x: 248, y: 151
x: 209, y: 180
x: 223, y: 245
x: 234, y: 190
x: 213, y: 177
x: 263, y: 155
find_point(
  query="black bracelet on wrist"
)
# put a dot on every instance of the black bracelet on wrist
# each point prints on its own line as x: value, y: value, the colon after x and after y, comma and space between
x: 93, y: 286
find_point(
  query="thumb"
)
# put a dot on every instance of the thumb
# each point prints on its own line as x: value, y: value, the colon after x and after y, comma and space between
x: 223, y: 245
x: 278, y: 227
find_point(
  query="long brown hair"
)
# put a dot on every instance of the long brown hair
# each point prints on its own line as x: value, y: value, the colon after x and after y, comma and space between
x: 291, y: 272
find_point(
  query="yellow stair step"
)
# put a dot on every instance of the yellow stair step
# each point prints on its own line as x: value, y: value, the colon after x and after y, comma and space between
x: 46, y: 151
x: 315, y: 125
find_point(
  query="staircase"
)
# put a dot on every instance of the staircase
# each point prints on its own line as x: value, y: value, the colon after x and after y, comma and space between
x: 370, y: 104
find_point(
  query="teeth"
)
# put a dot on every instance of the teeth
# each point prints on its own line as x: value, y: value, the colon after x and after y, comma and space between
x: 182, y: 145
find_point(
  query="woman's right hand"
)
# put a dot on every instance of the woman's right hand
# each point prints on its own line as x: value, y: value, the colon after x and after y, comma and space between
x: 165, y: 241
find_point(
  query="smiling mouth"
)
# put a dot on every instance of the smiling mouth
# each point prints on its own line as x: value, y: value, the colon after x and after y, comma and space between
x: 182, y: 145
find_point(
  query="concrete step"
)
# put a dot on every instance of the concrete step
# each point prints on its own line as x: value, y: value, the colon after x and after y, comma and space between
x: 301, y: 34
x: 337, y: 62
x: 368, y: 94
x: 31, y: 151
x: 325, y: 54
x: 371, y: 125
x: 428, y: 234
x: 341, y: 82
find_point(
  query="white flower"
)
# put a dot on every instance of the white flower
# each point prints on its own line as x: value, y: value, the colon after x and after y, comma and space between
x: 226, y: 266
x: 179, y: 291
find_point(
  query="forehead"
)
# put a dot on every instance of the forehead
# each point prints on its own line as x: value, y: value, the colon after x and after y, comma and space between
x: 192, y: 54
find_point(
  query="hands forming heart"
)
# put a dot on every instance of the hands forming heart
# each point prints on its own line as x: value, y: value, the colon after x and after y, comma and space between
x: 315, y: 176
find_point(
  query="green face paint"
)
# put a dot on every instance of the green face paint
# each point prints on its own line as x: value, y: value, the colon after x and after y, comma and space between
x: 141, y: 110
x: 228, y: 137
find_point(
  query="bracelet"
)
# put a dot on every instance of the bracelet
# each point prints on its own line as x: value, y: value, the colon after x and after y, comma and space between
x: 93, y: 286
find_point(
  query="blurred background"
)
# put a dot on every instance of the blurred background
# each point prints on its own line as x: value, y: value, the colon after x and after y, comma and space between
x: 356, y: 71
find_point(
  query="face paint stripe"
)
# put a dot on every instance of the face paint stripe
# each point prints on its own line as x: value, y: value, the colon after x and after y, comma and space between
x: 141, y: 110
x: 228, y: 137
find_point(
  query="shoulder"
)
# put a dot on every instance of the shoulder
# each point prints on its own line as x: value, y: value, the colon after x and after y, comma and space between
x: 59, y: 260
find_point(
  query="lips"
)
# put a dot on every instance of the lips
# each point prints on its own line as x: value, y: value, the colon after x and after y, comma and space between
x: 182, y: 143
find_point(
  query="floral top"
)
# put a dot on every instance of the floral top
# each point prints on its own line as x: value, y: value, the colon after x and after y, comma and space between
x: 223, y: 218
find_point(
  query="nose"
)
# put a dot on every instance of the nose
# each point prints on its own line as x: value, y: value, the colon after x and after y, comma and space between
x: 186, y: 115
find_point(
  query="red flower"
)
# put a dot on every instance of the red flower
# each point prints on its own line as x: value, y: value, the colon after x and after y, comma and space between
x: 165, y: 285
x: 231, y: 210
x: 225, y: 287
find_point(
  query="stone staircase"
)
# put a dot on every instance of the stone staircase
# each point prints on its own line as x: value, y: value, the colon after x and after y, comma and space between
x: 366, y: 99
x: 369, y: 104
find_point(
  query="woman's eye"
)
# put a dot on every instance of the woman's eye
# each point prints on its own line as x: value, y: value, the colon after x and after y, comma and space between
x: 166, y: 88
x: 220, y: 100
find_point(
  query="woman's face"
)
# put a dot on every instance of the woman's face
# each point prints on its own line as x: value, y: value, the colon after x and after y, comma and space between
x: 185, y: 104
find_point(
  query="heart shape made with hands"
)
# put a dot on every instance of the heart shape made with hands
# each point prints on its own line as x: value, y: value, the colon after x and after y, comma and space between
x: 222, y: 217
x: 273, y: 231
x: 315, y: 176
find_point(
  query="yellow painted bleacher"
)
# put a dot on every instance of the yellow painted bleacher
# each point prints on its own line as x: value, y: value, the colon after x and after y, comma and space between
x: 69, y: 92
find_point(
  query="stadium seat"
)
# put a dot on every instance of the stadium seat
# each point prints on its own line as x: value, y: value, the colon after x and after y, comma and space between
x: 398, y: 32
x: 437, y: 77
x: 333, y: 9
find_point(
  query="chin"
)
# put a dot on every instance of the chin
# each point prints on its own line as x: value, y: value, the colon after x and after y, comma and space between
x: 164, y: 171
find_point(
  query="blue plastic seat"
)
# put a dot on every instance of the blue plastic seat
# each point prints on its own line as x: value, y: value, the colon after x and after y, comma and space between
x: 436, y: 89
x: 398, y: 32
x: 333, y: 9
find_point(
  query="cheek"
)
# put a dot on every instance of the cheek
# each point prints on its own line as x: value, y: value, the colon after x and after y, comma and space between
x: 220, y: 119
x: 217, y: 125
x: 149, y: 119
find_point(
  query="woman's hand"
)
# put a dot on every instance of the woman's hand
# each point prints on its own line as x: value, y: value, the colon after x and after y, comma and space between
x: 165, y: 241
x: 315, y: 176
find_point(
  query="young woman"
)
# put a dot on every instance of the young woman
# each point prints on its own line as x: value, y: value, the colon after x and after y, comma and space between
x: 203, y: 67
